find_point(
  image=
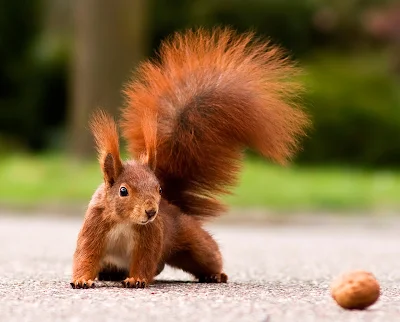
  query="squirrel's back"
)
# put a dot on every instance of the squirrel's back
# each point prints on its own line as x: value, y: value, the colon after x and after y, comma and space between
x: 211, y: 95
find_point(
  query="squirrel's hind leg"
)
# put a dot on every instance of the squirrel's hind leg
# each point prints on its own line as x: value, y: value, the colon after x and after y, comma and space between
x: 200, y: 257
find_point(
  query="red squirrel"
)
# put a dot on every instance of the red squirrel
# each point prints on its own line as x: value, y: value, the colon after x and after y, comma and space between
x: 187, y: 120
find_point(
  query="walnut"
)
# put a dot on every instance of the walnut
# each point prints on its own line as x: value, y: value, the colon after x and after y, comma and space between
x: 355, y: 290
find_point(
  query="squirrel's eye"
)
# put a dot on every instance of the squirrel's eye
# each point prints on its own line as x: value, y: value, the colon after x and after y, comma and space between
x: 160, y: 190
x: 123, y: 192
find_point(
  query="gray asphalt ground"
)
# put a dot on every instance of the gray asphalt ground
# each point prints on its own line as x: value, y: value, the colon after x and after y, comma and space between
x: 277, y: 273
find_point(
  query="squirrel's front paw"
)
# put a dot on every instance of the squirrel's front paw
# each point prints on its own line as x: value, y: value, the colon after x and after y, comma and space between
x: 133, y: 282
x: 214, y: 278
x: 82, y: 283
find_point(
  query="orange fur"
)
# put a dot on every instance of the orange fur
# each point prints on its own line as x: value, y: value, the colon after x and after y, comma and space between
x: 89, y: 248
x: 210, y: 96
x: 188, y: 120
x: 107, y: 142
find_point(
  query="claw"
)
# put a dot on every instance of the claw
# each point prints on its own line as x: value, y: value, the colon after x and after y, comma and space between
x: 133, y: 282
x: 82, y: 283
x: 224, y: 278
x: 215, y: 278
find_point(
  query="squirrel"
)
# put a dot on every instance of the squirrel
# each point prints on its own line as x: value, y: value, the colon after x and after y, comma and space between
x: 188, y: 118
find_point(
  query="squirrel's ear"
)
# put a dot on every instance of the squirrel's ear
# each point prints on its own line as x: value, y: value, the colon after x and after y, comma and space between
x: 149, y: 128
x: 111, y: 169
x: 150, y: 160
x: 106, y: 137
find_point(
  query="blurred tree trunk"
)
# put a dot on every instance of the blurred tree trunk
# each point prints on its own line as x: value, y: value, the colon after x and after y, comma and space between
x: 109, y: 40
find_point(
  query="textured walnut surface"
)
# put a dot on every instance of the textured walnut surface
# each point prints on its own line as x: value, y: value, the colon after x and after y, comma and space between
x: 276, y: 273
x: 355, y: 290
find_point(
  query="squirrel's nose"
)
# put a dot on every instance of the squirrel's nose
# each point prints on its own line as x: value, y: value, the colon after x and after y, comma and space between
x: 150, y: 212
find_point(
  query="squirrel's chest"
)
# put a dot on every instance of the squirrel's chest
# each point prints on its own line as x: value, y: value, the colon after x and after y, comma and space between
x: 119, y: 246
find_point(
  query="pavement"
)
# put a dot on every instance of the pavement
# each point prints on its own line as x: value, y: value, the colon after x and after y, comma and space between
x: 276, y: 273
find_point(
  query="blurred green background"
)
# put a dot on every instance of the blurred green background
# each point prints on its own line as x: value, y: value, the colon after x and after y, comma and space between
x: 61, y: 59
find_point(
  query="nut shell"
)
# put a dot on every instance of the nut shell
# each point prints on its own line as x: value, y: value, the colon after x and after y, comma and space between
x: 355, y: 290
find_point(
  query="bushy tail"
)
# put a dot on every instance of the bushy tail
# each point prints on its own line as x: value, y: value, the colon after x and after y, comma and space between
x: 211, y: 95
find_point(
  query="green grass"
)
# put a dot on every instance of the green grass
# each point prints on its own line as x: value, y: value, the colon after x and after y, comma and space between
x: 30, y: 180
x: 320, y: 188
x: 37, y: 180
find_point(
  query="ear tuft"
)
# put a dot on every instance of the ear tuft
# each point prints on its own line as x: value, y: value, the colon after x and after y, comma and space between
x: 106, y: 136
